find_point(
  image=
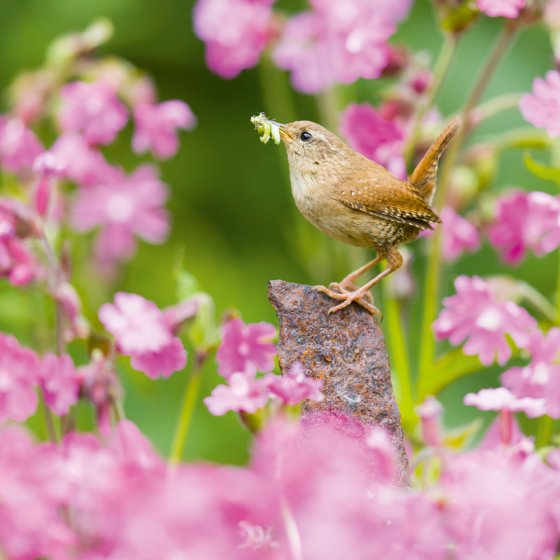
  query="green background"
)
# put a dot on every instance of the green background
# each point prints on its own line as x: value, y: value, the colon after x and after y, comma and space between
x: 234, y: 220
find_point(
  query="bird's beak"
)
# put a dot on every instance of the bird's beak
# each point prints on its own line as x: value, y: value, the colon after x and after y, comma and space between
x: 284, y: 134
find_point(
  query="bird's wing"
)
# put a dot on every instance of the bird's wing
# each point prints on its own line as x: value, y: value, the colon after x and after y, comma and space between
x: 381, y: 194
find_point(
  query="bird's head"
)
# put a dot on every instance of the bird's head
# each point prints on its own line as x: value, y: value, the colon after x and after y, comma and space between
x: 310, y: 143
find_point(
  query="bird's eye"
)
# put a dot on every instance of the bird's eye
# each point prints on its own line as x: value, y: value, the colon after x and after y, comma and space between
x: 305, y: 136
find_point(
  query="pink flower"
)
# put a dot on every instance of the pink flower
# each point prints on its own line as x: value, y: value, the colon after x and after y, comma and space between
x: 60, y: 382
x: 375, y: 137
x: 503, y: 399
x: 475, y: 314
x: 17, y: 263
x: 83, y: 164
x: 162, y: 362
x: 124, y: 207
x: 30, y: 522
x: 92, y: 109
x: 246, y: 348
x: 293, y: 387
x: 485, y: 494
x: 430, y: 412
x: 501, y: 8
x: 237, y: 45
x: 156, y: 127
x: 459, y: 235
x: 244, y: 393
x: 19, y: 146
x: 542, y: 107
x: 526, y: 221
x: 143, y: 332
x: 338, y: 42
x: 137, y: 324
x: 540, y: 379
x: 19, y: 369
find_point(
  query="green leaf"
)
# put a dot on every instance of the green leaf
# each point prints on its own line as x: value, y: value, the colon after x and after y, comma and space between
x: 187, y: 285
x: 459, y: 438
x: 447, y: 369
x: 540, y: 170
x: 203, y: 331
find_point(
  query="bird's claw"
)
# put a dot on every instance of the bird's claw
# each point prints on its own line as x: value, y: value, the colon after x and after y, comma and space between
x: 347, y: 297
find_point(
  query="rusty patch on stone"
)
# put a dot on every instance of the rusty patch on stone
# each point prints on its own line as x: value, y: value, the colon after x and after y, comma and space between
x: 346, y: 350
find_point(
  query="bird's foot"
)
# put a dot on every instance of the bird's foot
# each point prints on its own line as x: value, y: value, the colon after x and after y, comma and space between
x: 360, y: 296
x: 346, y: 288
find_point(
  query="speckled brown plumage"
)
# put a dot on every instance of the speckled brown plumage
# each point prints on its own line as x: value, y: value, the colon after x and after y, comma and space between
x: 359, y: 202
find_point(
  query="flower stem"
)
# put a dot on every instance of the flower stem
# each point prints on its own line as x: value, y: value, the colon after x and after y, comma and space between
x: 187, y: 408
x: 544, y: 431
x: 399, y: 356
x: 433, y: 270
x: 49, y: 422
x: 445, y: 57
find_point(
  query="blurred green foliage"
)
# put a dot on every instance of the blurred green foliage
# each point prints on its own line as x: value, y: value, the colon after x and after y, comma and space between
x: 234, y: 221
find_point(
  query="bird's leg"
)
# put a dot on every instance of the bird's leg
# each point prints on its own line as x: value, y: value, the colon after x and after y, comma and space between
x: 347, y: 283
x: 394, y: 261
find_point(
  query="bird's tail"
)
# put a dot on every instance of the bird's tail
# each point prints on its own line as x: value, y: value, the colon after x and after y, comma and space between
x: 424, y: 175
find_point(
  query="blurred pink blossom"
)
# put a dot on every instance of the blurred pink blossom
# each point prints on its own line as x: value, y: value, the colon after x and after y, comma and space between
x: 92, y: 109
x: 17, y: 262
x: 236, y: 45
x: 486, y: 494
x: 476, y: 315
x: 125, y: 207
x: 136, y: 323
x: 293, y: 386
x: 246, y: 348
x: 338, y: 42
x: 459, y: 235
x: 81, y: 163
x: 375, y: 137
x: 501, y: 398
x: 19, y: 146
x: 60, y: 383
x: 542, y: 107
x: 143, y: 333
x: 19, y: 369
x: 525, y: 221
x: 243, y: 393
x: 163, y: 362
x: 540, y: 379
x: 430, y: 412
x: 501, y: 8
x: 30, y: 522
x: 156, y: 127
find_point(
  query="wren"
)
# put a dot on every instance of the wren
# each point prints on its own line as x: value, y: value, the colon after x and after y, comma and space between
x: 357, y: 201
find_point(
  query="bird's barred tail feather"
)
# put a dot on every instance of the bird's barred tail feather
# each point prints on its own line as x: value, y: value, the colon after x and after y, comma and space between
x: 424, y: 175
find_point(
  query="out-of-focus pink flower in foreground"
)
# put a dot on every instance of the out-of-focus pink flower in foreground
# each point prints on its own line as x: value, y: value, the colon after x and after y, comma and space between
x: 142, y: 332
x: 94, y: 110
x: 338, y: 42
x: 235, y: 32
x: 156, y: 127
x: 542, y: 107
x: 19, y: 371
x: 375, y: 137
x: 124, y: 207
x: 60, y: 383
x: 540, y: 379
x: 459, y: 235
x: 476, y: 315
x: 525, y: 221
x: 313, y: 489
x: 501, y: 8
x: 246, y: 348
x: 19, y: 146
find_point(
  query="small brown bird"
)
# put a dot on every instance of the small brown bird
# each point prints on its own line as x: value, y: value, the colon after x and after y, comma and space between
x: 355, y: 200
